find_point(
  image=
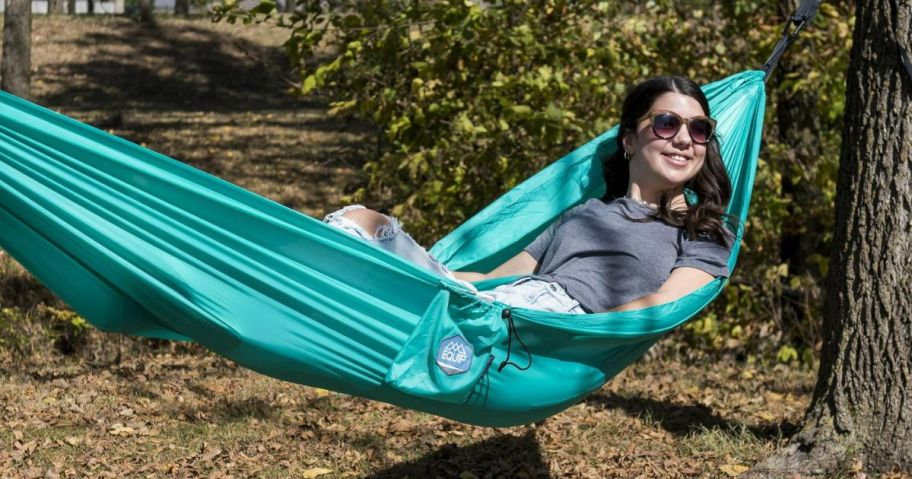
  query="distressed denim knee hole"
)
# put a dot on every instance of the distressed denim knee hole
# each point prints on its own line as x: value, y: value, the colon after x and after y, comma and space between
x: 389, y: 230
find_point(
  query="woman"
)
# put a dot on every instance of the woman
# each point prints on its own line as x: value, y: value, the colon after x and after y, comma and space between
x: 642, y: 244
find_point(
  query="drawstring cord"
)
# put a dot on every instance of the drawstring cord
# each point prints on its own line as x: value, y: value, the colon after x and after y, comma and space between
x: 511, y: 331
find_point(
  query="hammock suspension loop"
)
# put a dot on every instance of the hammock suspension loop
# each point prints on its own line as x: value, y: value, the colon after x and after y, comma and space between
x: 793, y: 26
x: 507, y: 315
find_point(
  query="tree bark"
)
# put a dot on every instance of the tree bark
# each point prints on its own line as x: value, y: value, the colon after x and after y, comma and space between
x: 71, y: 7
x: 15, y: 72
x: 861, y: 412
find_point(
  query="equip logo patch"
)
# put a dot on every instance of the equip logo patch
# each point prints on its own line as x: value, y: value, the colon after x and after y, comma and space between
x: 454, y: 356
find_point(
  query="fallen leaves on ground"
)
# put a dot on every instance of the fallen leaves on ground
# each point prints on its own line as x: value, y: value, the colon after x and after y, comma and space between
x: 315, y: 472
x: 196, y: 414
x: 734, y: 470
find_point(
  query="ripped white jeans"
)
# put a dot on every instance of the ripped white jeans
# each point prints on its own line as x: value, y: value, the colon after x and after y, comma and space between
x: 527, y: 292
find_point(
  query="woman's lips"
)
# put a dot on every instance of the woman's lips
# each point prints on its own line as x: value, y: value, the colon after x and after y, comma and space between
x: 675, y: 159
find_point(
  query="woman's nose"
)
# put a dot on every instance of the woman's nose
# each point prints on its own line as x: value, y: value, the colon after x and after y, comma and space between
x: 682, y: 138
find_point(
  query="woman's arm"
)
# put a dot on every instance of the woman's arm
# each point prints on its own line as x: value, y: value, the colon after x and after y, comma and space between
x: 519, y: 265
x: 680, y: 283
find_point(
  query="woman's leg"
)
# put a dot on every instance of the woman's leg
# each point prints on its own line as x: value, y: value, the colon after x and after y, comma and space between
x: 385, y: 232
x: 370, y: 220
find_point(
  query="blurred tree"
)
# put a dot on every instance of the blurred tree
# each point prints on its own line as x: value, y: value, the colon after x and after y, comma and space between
x: 799, y: 124
x: 182, y: 7
x: 145, y: 10
x: 57, y: 6
x: 860, y: 413
x: 15, y: 73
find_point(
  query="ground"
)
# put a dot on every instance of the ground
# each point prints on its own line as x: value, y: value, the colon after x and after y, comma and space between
x: 213, y: 95
x: 179, y: 413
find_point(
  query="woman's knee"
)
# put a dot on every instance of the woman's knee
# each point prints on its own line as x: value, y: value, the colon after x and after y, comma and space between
x: 370, y: 220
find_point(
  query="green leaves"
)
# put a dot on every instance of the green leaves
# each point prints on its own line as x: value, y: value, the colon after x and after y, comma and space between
x: 308, y: 84
x: 471, y: 83
x: 520, y: 111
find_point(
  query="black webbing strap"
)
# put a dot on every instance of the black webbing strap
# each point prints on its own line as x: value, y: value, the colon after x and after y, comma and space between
x: 906, y: 59
x: 796, y: 22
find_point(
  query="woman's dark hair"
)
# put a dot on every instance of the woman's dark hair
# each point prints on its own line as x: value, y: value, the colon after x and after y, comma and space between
x: 706, y: 216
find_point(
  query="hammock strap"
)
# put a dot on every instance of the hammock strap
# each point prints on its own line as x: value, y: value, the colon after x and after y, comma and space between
x: 904, y: 57
x: 907, y: 61
x: 796, y: 22
x: 506, y: 314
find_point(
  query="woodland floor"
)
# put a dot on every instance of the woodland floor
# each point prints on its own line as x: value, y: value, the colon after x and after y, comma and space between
x: 213, y: 95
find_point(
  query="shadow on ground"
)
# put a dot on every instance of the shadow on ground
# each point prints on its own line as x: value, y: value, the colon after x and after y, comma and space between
x: 502, y: 456
x: 169, y: 66
x: 685, y: 419
x: 215, y: 96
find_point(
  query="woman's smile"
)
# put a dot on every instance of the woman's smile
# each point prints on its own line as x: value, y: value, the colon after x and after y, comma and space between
x: 677, y: 159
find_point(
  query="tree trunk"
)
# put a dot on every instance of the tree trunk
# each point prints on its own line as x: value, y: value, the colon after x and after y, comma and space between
x: 56, y: 6
x: 182, y: 7
x: 145, y: 11
x: 90, y: 7
x: 290, y: 5
x: 71, y: 7
x: 861, y: 413
x: 15, y: 72
x: 799, y: 124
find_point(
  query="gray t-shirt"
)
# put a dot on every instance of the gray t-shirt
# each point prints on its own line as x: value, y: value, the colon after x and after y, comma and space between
x: 604, y: 259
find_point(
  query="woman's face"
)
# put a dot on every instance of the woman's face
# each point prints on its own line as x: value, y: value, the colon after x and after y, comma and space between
x: 661, y: 164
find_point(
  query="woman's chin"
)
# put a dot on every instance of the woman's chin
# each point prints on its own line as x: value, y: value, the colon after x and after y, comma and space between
x: 675, y: 179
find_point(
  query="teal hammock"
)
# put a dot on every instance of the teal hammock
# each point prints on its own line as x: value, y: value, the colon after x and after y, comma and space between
x: 141, y: 244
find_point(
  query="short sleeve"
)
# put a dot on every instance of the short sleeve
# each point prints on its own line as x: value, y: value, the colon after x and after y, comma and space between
x: 705, y: 255
x: 540, y: 244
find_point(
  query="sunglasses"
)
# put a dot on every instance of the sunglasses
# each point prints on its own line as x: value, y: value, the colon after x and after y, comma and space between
x: 667, y: 124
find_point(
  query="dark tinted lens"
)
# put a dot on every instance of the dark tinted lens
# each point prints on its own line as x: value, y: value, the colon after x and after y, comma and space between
x: 666, y: 125
x: 700, y: 130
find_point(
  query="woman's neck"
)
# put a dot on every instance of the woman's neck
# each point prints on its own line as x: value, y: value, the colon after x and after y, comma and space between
x: 652, y: 198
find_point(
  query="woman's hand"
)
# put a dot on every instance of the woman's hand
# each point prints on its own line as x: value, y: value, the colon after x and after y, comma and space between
x: 522, y: 264
x: 680, y: 283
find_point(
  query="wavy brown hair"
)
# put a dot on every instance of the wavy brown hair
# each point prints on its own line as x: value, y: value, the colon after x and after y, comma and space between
x: 711, y: 187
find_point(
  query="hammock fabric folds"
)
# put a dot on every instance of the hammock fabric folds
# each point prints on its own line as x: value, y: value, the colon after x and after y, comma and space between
x: 141, y: 244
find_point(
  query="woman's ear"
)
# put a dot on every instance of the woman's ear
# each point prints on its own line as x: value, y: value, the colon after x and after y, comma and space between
x: 628, y: 141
